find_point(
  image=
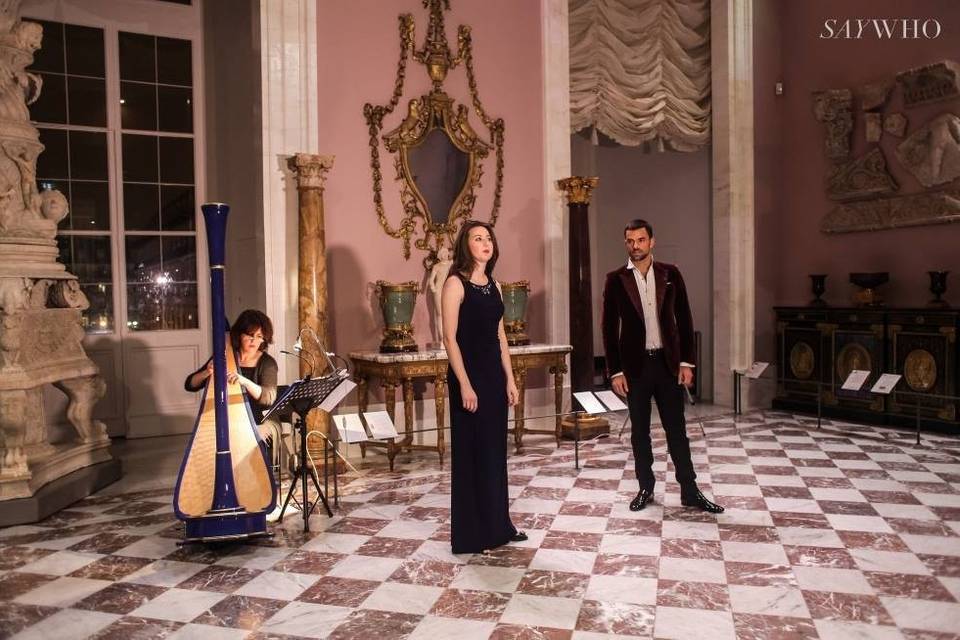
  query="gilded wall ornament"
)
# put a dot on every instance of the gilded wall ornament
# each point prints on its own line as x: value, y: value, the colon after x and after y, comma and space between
x: 920, y: 370
x: 801, y: 360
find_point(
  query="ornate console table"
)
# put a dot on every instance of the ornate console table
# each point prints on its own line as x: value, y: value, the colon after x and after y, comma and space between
x: 820, y: 346
x: 403, y: 368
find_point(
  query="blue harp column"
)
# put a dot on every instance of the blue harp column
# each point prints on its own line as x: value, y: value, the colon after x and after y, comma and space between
x: 226, y: 497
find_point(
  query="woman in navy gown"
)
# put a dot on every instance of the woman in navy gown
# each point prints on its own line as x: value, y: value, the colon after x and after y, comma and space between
x: 481, y: 385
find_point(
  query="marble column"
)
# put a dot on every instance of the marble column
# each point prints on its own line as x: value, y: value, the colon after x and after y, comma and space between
x: 41, y: 303
x: 578, y: 191
x: 310, y: 171
x: 731, y: 25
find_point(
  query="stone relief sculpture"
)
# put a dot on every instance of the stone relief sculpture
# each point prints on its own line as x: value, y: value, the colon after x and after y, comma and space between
x: 834, y: 108
x: 932, y: 152
x: 40, y: 310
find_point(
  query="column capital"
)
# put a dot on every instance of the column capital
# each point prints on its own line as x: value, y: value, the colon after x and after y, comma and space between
x: 578, y: 189
x: 310, y: 169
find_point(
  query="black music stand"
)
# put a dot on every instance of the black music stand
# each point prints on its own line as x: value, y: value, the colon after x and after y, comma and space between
x: 302, y: 396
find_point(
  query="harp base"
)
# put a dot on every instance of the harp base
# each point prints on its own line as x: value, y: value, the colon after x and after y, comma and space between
x: 222, y: 528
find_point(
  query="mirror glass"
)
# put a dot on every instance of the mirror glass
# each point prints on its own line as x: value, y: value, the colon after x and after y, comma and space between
x: 439, y: 169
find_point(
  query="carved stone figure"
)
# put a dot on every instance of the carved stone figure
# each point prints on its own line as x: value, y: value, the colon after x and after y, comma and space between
x: 438, y: 275
x: 834, y: 108
x: 895, y: 124
x: 932, y: 152
x: 933, y: 82
x: 938, y: 207
x: 861, y: 178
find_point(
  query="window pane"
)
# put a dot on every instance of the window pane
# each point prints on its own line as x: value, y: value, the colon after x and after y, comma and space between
x: 161, y: 307
x: 176, y: 160
x: 137, y: 57
x: 51, y: 106
x: 174, y: 62
x: 143, y: 258
x: 90, y: 259
x: 176, y: 110
x: 50, y: 56
x: 52, y: 162
x: 65, y: 246
x: 141, y: 206
x: 84, y: 51
x: 88, y: 102
x: 99, y: 317
x: 89, y: 206
x: 177, y: 211
x: 138, y: 106
x: 139, y: 158
x: 180, y: 258
x: 88, y: 155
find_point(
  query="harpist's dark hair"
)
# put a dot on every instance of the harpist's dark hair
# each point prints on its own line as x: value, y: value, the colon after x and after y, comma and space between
x: 249, y: 321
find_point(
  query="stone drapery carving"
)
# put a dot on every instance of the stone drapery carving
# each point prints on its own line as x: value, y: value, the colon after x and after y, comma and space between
x: 866, y: 176
x: 932, y: 152
x: 640, y: 71
x: 40, y: 306
x: 930, y: 83
x: 834, y: 108
x: 937, y: 207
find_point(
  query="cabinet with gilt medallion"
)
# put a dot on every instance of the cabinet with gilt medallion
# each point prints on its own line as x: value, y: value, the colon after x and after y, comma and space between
x: 820, y: 346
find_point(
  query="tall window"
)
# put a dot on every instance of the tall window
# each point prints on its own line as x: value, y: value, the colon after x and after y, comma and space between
x: 152, y: 177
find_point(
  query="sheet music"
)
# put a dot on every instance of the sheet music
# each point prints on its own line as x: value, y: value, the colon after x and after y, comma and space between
x: 338, y: 394
x: 380, y: 424
x: 350, y: 428
x: 612, y: 400
x: 589, y: 402
x: 855, y: 380
x: 886, y: 383
x: 756, y: 369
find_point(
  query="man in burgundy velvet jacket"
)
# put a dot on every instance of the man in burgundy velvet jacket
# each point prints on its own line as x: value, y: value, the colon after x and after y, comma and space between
x: 650, y: 349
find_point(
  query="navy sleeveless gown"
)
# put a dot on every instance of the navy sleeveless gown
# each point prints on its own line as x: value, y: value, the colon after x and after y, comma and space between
x: 479, y: 503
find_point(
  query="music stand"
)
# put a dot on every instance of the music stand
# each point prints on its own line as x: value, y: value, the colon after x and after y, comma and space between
x: 302, y: 396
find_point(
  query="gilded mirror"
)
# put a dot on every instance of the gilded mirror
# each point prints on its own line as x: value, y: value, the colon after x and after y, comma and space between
x: 437, y: 155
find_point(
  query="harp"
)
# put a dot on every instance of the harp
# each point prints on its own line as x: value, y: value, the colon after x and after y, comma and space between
x: 224, y: 488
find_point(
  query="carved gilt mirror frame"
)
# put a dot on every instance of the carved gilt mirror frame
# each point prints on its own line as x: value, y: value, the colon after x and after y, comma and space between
x: 417, y: 136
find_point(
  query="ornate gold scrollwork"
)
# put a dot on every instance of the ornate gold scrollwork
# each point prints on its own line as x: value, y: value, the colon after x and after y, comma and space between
x: 435, y: 111
x: 801, y: 360
x: 920, y: 370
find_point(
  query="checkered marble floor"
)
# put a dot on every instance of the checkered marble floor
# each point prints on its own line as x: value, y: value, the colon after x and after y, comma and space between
x: 843, y: 532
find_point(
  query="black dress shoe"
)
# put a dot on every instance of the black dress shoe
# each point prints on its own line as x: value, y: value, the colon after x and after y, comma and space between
x: 519, y: 536
x: 641, y: 500
x: 698, y: 500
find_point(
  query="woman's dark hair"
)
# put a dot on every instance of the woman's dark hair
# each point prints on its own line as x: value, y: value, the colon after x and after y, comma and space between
x: 249, y: 321
x: 462, y: 259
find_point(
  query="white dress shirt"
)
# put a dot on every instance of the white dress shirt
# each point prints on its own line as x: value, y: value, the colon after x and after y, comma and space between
x: 647, y: 284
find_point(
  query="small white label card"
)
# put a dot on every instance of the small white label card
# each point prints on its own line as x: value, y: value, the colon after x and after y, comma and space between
x: 339, y: 393
x: 612, y: 400
x: 350, y: 428
x: 855, y: 380
x: 756, y: 369
x: 380, y: 424
x: 886, y: 383
x: 589, y: 402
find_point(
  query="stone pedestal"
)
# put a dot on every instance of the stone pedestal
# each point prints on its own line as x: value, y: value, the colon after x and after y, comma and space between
x: 40, y: 305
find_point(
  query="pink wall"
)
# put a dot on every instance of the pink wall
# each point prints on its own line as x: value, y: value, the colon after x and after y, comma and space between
x: 358, y: 46
x: 810, y: 64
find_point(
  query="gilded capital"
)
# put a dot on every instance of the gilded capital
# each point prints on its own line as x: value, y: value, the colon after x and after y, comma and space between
x: 578, y: 189
x: 309, y: 169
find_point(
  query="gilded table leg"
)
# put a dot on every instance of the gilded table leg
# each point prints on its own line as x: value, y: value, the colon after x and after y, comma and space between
x: 520, y: 376
x: 558, y: 371
x: 407, y: 412
x: 439, y: 397
x: 362, y: 399
x: 390, y: 396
